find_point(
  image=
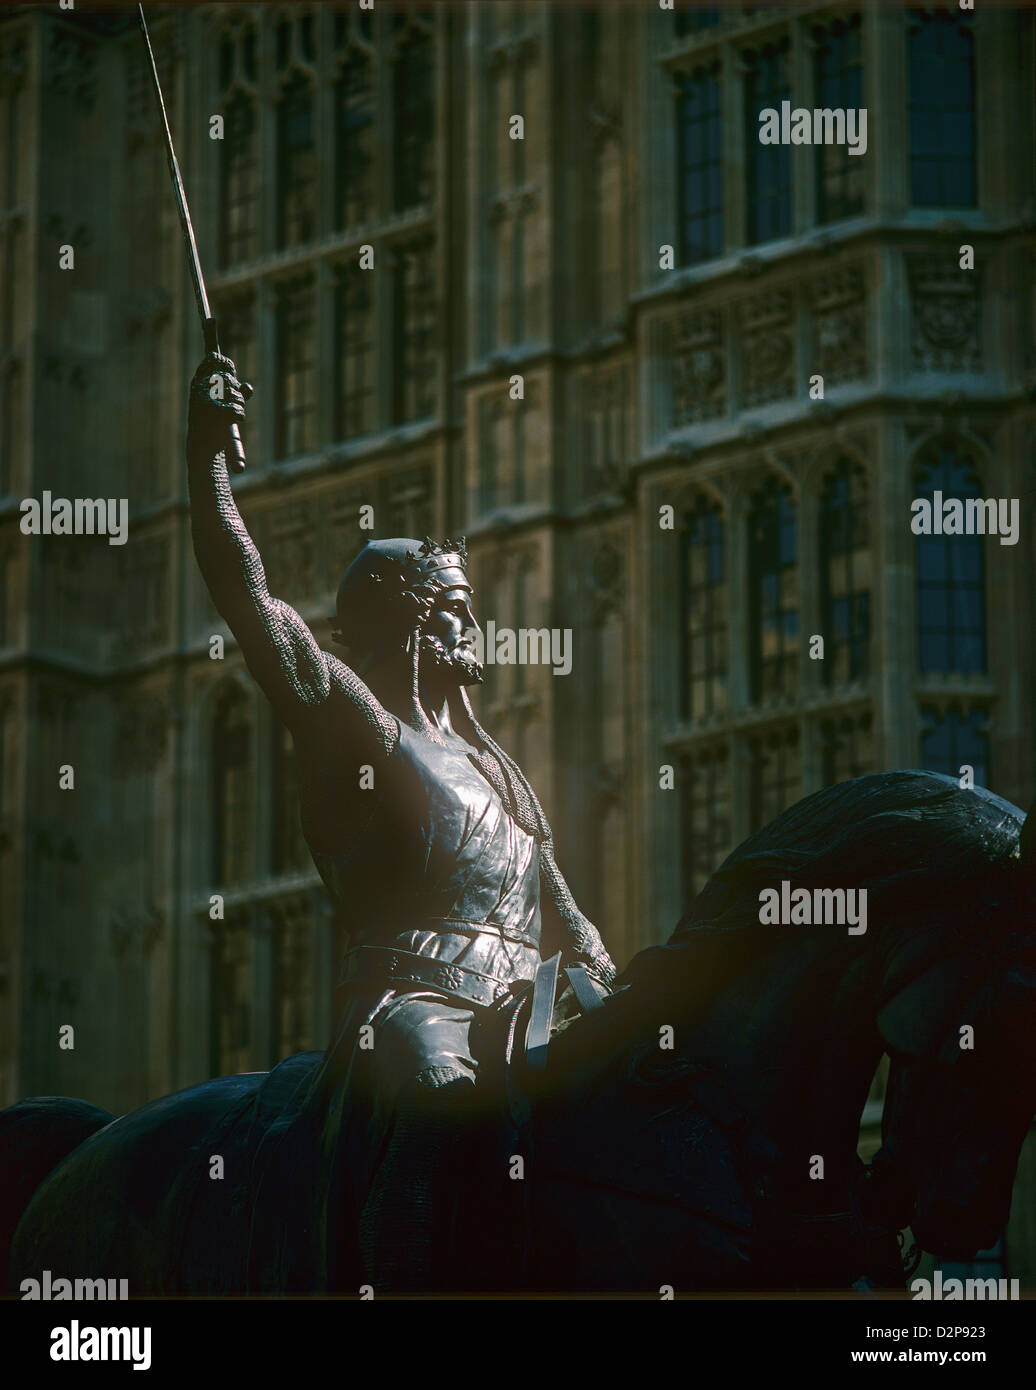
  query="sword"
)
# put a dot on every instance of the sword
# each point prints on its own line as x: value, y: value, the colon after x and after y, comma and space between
x: 208, y: 323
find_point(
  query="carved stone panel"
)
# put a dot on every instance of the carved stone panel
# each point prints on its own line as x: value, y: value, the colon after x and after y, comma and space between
x: 767, y: 348
x: 699, y: 368
x: 945, y: 318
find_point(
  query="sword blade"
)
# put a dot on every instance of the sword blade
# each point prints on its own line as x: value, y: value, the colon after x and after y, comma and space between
x: 193, y: 261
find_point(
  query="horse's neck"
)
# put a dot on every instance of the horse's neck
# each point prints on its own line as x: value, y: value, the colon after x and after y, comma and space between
x: 795, y: 1047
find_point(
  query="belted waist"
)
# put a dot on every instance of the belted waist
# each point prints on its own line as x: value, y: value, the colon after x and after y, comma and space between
x: 393, y: 963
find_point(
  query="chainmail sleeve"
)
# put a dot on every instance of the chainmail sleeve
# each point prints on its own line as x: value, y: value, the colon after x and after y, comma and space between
x: 282, y: 654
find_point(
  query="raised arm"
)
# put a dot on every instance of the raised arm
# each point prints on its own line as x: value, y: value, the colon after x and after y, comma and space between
x: 579, y: 940
x: 297, y: 677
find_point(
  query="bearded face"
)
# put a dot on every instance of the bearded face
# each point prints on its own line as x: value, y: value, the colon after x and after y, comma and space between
x: 447, y: 643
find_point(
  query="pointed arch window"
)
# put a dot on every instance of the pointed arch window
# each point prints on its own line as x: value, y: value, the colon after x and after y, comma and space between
x: 706, y: 612
x: 289, y: 851
x: 774, y: 596
x: 845, y: 569
x: 953, y: 738
x: 775, y: 774
x: 951, y: 571
x: 699, y: 125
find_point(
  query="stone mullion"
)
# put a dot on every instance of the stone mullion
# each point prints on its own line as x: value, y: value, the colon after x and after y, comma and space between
x: 327, y: 366
x: 885, y: 95
x: 895, y: 601
x: 810, y: 587
x: 803, y: 157
x: 739, y: 568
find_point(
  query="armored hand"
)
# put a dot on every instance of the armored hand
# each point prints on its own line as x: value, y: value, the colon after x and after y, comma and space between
x: 217, y: 399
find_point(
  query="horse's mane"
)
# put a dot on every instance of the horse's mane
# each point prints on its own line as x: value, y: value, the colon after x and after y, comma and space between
x: 924, y: 849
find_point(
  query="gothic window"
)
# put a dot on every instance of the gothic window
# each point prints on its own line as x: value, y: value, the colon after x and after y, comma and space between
x: 951, y: 587
x: 775, y: 775
x: 838, y: 84
x: 230, y: 1000
x: 774, y: 593
x: 705, y: 837
x: 414, y: 120
x: 232, y: 792
x: 239, y: 208
x: 414, y: 332
x: 356, y: 399
x: 703, y: 587
x: 768, y: 167
x: 942, y: 108
x: 954, y: 738
x: 296, y: 165
x: 296, y: 400
x: 700, y: 182
x: 354, y: 142
x: 845, y: 570
x: 289, y: 852
x: 848, y: 747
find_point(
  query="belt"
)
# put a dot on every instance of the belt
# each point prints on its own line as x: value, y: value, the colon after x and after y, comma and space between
x: 392, y: 963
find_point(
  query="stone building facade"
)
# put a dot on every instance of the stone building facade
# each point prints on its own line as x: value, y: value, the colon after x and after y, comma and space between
x: 594, y: 349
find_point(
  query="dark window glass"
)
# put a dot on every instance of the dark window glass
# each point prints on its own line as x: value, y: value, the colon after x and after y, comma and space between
x: 231, y: 793
x: 414, y: 111
x: 768, y: 167
x: 414, y: 391
x: 774, y: 620
x: 950, y: 574
x: 706, y: 613
x: 845, y: 568
x: 354, y: 121
x: 942, y: 108
x: 839, y: 86
x: 296, y: 403
x: 952, y: 739
x: 705, y: 832
x: 239, y: 209
x: 354, y: 328
x: 775, y: 775
x: 297, y: 165
x: 700, y: 146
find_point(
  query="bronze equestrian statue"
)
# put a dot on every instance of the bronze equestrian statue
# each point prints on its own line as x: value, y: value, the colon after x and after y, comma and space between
x: 689, y: 1163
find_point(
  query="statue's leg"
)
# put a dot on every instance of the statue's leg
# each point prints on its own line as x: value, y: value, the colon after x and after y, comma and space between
x: 407, y: 1224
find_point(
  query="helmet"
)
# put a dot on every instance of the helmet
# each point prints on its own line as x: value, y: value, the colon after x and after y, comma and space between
x: 390, y: 587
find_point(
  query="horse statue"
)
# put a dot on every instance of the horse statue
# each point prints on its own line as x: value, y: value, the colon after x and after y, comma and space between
x: 697, y: 1130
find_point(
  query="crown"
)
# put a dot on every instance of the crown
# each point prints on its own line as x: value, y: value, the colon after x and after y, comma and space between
x: 430, y: 557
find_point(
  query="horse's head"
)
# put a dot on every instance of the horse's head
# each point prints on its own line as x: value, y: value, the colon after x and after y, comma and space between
x: 959, y: 1022
x: 944, y: 980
